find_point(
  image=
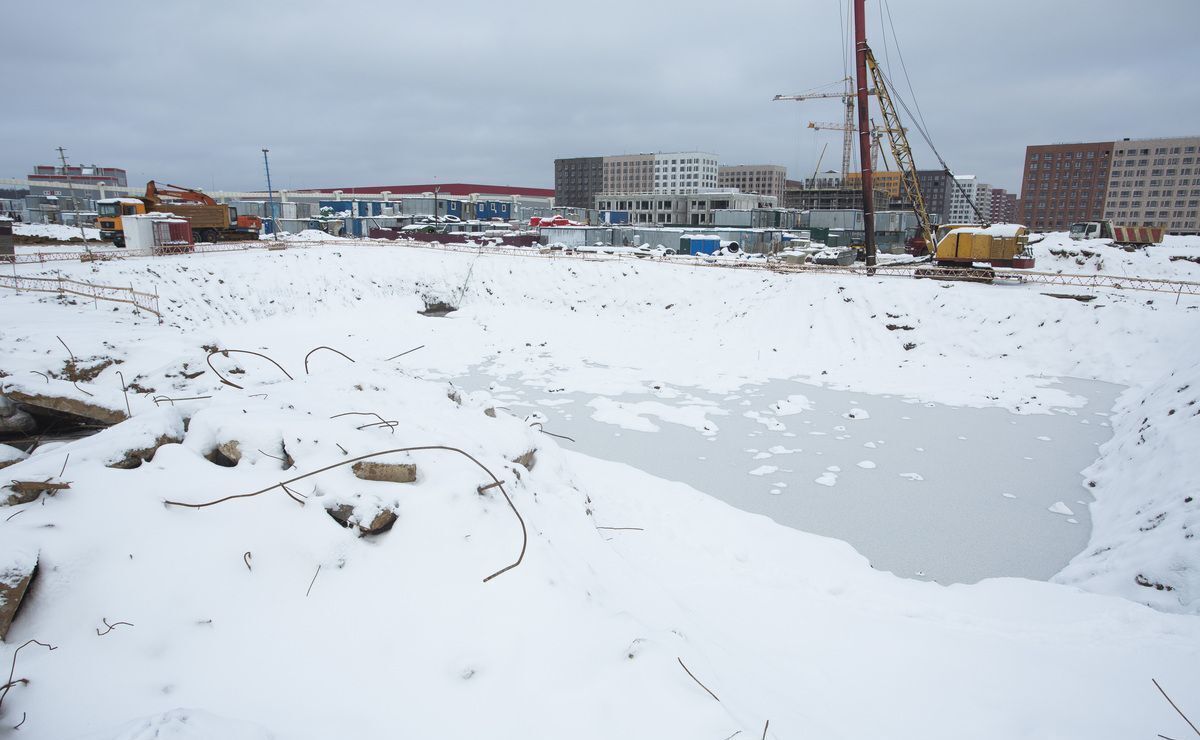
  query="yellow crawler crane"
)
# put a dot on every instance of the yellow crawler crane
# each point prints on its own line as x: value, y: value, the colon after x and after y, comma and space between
x: 971, y: 247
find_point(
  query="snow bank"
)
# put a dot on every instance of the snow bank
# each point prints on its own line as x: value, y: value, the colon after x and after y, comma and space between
x: 55, y: 231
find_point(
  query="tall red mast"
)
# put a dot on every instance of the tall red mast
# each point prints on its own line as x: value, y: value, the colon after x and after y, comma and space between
x: 864, y: 128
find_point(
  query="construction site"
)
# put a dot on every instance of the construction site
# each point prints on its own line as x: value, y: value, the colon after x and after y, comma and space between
x: 668, y: 460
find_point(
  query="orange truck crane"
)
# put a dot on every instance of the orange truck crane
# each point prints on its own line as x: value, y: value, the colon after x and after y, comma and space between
x: 211, y: 221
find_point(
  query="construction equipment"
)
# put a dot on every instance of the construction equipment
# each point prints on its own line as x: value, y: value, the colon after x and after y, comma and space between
x: 877, y: 133
x: 1121, y: 236
x: 210, y: 221
x: 976, y: 246
x: 848, y: 127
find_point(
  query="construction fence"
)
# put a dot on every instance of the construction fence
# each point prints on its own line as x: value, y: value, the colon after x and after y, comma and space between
x: 147, y: 302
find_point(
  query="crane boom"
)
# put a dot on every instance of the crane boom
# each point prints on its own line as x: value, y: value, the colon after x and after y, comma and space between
x: 901, y: 151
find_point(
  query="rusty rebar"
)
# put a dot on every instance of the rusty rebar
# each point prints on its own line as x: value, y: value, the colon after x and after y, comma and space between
x: 12, y: 669
x: 314, y: 580
x: 1172, y: 703
x: 110, y: 627
x: 414, y: 349
x: 125, y: 390
x: 331, y: 349
x: 419, y: 448
x: 225, y: 353
x: 685, y: 668
x: 159, y: 399
x: 382, y: 421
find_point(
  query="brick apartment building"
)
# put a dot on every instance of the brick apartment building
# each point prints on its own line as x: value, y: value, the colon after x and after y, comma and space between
x: 1064, y: 183
x: 760, y: 179
x: 1004, y: 206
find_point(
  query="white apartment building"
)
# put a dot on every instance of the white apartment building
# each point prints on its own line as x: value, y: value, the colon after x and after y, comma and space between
x: 664, y: 173
x: 684, y: 172
x: 1156, y: 182
x: 969, y: 190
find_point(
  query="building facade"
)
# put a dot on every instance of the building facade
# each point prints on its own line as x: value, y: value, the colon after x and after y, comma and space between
x: 577, y: 180
x: 969, y: 200
x: 79, y: 174
x: 676, y: 209
x: 827, y: 198
x: 1004, y: 206
x: 1064, y: 183
x: 761, y: 179
x: 889, y: 181
x: 936, y: 187
x: 1156, y: 182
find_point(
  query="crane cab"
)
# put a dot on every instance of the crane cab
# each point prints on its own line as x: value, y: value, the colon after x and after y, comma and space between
x: 1000, y: 245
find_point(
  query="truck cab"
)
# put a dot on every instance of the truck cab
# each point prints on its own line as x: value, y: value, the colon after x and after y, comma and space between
x: 109, y: 212
x: 1091, y: 230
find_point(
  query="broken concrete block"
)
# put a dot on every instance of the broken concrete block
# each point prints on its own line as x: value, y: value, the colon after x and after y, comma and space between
x: 389, y: 472
x: 227, y: 454
x: 134, y: 458
x: 528, y: 459
x: 437, y: 308
x: 344, y: 514
x: 15, y: 578
x: 490, y: 411
x: 70, y: 406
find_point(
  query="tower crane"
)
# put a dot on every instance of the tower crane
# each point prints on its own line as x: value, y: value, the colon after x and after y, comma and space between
x: 877, y: 133
x: 847, y: 98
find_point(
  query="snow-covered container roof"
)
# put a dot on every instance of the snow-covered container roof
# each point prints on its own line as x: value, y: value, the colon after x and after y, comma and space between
x: 167, y: 217
x: 1001, y: 230
x: 127, y: 201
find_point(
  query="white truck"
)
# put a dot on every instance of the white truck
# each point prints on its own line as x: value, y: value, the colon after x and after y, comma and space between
x: 1122, y: 236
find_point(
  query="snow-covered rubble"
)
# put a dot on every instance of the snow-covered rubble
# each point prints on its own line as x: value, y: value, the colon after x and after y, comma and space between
x: 626, y: 592
x: 1177, y: 258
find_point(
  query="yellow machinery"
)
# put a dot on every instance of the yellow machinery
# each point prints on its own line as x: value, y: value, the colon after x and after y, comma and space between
x: 1000, y: 245
x: 962, y: 246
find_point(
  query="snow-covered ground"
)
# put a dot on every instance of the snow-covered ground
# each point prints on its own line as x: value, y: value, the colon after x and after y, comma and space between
x: 1177, y: 258
x: 265, y: 618
x: 55, y: 231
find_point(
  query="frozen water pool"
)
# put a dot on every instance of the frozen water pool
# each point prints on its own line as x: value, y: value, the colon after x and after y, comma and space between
x: 945, y: 493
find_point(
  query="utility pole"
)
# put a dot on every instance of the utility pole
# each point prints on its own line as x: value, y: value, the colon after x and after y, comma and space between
x: 864, y: 129
x: 271, y: 196
x: 62, y: 156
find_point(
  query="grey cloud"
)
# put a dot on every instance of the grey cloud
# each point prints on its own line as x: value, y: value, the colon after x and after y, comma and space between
x: 382, y: 92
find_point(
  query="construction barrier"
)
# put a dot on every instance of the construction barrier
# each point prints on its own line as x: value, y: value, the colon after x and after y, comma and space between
x: 147, y: 302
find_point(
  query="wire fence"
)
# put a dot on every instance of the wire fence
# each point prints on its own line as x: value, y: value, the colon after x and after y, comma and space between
x: 147, y: 302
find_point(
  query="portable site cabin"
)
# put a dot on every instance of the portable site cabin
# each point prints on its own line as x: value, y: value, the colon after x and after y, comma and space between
x: 699, y: 243
x: 161, y: 233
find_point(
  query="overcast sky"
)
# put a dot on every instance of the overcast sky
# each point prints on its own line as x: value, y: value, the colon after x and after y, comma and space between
x: 361, y: 93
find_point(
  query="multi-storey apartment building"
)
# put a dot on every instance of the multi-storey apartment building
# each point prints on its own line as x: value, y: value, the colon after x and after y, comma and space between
x: 1156, y: 182
x: 967, y: 191
x: 1064, y: 183
x: 577, y: 180
x: 761, y: 179
x: 936, y: 186
x: 1004, y: 206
